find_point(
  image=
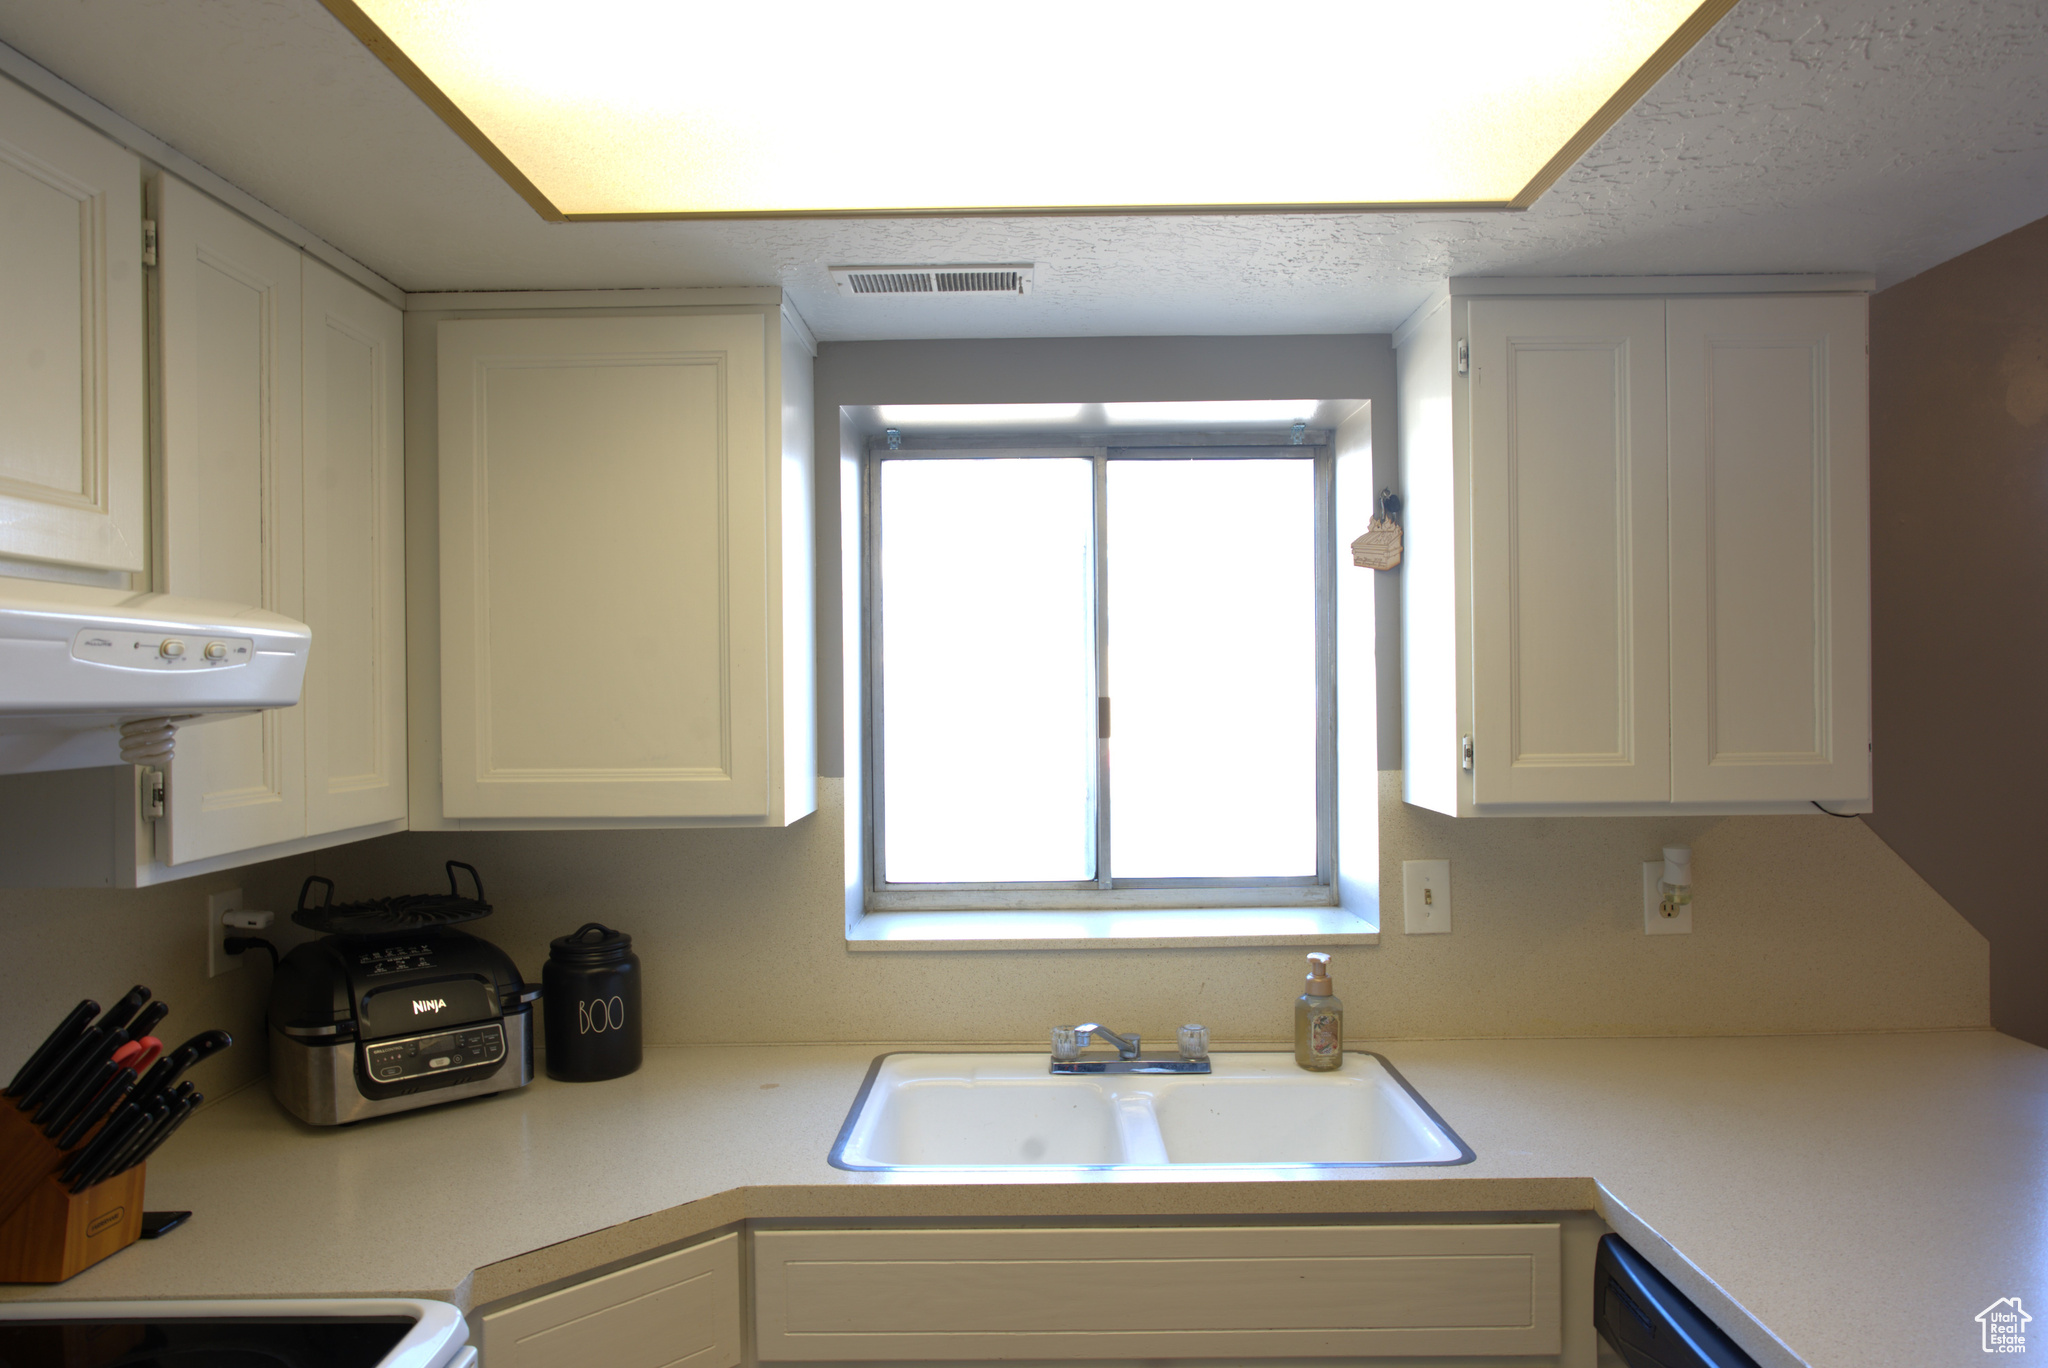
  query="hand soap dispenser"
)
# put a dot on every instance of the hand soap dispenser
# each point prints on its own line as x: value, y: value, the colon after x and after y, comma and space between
x: 1319, y: 1020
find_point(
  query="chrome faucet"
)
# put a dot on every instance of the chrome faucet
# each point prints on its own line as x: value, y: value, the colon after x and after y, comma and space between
x: 1125, y: 1048
x: 1069, y: 1041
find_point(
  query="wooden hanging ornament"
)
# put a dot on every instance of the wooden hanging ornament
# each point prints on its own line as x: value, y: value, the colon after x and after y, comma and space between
x: 1379, y: 548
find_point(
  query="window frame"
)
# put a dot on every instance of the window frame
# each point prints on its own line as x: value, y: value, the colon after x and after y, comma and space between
x: 1104, y: 892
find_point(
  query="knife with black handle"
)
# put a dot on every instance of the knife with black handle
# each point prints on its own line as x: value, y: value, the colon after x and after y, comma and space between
x: 64, y: 1106
x: 87, y: 1050
x: 163, y: 1118
x: 56, y: 1117
x: 185, y: 1109
x: 152, y: 1016
x: 147, y: 1119
x: 91, y: 1049
x: 107, y: 1101
x: 56, y: 1044
x: 166, y: 1070
x: 118, y: 1131
x: 123, y: 1012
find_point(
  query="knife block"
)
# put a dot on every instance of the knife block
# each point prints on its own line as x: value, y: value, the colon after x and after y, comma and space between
x: 46, y: 1233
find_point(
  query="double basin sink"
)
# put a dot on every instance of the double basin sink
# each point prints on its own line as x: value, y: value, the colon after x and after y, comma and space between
x: 1005, y: 1111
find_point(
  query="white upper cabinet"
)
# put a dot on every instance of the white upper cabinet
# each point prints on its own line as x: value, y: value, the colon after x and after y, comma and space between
x: 72, y: 455
x: 1638, y: 534
x: 1770, y: 549
x: 283, y: 486
x: 621, y: 637
x: 232, y: 501
x: 1570, y: 623
x: 354, y: 554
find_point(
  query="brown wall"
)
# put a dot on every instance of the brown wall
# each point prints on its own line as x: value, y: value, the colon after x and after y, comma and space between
x: 1959, y: 551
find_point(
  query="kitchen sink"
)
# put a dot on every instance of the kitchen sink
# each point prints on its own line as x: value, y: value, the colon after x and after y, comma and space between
x: 1253, y: 1110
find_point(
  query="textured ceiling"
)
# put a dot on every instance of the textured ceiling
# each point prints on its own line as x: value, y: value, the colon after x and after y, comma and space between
x: 1855, y: 135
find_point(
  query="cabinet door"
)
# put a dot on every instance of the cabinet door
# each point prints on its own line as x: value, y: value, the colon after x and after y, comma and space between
x: 232, y: 501
x: 1570, y: 618
x: 71, y: 447
x: 1770, y: 555
x: 355, y: 555
x: 681, y: 1308
x: 1246, y: 1292
x: 604, y: 575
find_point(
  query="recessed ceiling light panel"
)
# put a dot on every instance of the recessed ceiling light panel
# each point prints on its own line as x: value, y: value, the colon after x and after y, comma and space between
x: 625, y: 109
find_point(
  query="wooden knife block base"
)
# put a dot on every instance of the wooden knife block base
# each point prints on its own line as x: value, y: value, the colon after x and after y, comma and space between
x: 54, y: 1235
x: 51, y: 1235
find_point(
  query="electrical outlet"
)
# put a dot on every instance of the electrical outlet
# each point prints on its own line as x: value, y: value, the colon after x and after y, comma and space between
x: 1426, y: 896
x: 1655, y: 923
x: 218, y: 905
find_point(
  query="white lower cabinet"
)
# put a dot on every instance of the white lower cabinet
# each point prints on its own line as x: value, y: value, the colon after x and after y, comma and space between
x: 1488, y: 1294
x: 678, y: 1309
x: 1275, y: 1291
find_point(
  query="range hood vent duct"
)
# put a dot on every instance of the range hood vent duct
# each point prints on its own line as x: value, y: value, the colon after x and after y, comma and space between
x: 1009, y: 278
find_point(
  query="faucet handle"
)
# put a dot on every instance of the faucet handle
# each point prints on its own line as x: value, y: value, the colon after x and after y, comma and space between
x: 1194, y: 1042
x: 1068, y: 1042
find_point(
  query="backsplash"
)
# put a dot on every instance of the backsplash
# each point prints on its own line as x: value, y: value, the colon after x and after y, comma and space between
x: 1802, y: 924
x: 63, y: 945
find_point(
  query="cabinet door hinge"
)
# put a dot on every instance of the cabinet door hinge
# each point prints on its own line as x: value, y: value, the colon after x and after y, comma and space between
x: 1465, y: 753
x: 1464, y: 357
x: 149, y: 242
x: 152, y: 793
x: 1102, y: 719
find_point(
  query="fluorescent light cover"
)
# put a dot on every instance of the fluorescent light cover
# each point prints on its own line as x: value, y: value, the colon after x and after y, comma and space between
x: 677, y: 108
x: 1216, y: 412
x: 976, y: 415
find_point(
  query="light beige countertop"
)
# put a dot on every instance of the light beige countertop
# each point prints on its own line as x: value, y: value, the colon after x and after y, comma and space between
x: 1838, y: 1201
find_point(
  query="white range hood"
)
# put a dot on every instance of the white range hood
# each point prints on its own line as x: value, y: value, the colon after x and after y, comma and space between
x: 91, y: 678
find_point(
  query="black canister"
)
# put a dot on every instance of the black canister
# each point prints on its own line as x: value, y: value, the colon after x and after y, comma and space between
x: 592, y: 1005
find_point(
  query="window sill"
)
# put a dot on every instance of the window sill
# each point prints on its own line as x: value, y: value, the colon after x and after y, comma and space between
x: 1164, y: 929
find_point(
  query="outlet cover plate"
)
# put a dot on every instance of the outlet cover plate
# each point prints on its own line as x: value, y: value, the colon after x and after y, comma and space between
x: 219, y: 961
x: 1426, y: 897
x: 1655, y: 923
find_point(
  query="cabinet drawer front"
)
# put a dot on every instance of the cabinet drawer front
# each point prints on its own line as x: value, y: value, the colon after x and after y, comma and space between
x: 1071, y: 1294
x: 682, y: 1308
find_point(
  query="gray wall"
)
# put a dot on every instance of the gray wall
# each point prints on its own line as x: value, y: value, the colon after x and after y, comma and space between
x: 1094, y: 370
x: 1959, y: 558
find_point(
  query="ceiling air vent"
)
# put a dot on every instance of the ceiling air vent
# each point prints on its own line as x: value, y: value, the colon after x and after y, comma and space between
x: 1011, y: 278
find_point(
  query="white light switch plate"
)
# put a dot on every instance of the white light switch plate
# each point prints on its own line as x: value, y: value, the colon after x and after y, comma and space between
x: 1426, y: 896
x: 219, y: 961
x: 1655, y: 923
